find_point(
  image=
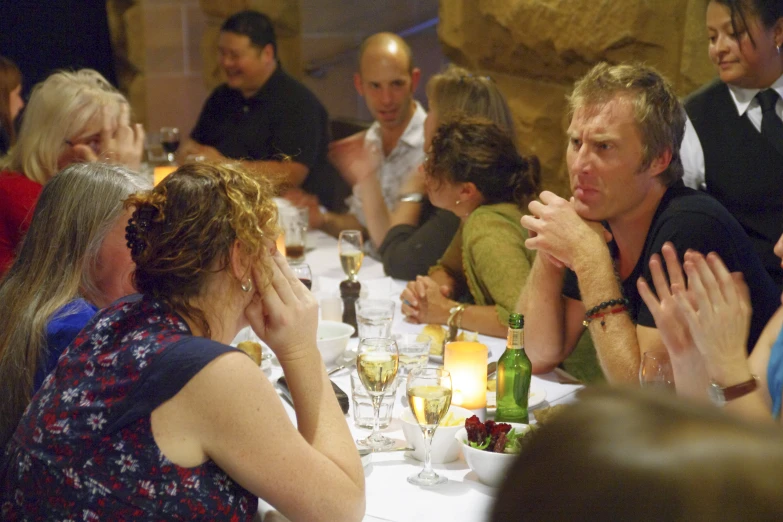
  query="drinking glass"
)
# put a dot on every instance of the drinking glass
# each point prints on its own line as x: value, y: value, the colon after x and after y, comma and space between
x: 350, y: 246
x: 655, y: 371
x: 374, y: 317
x: 169, y: 140
x: 414, y: 351
x: 294, y: 222
x: 303, y: 273
x: 376, y: 363
x: 429, y: 396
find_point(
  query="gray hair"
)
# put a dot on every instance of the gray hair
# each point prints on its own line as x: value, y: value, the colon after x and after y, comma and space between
x: 54, y: 265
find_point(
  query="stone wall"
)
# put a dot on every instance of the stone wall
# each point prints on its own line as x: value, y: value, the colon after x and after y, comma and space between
x: 535, y: 49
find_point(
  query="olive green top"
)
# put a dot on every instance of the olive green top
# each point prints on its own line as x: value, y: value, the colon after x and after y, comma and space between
x: 488, y: 255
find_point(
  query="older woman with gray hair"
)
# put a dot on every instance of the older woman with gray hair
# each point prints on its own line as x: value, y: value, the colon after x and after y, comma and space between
x: 71, y: 117
x: 73, y: 261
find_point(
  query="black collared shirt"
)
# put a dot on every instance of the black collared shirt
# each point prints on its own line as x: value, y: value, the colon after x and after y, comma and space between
x: 283, y: 119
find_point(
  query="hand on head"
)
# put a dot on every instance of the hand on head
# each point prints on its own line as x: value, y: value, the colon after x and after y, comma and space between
x: 283, y: 312
x: 122, y: 144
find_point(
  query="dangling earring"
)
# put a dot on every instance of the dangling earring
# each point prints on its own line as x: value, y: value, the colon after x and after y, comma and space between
x: 778, y: 48
x: 457, y: 203
x: 247, y: 286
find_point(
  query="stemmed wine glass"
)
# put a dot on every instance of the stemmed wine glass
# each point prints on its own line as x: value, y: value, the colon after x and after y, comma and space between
x: 169, y: 140
x: 303, y: 273
x: 429, y: 396
x: 376, y: 363
x: 656, y: 371
x: 350, y: 244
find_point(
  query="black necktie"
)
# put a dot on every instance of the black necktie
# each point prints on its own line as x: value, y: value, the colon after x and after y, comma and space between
x: 771, y: 125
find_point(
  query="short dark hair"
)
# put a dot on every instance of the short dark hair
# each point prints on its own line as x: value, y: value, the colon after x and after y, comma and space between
x: 256, y: 26
x: 767, y: 11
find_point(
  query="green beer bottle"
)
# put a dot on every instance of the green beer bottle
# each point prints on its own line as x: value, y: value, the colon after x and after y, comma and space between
x: 514, y: 372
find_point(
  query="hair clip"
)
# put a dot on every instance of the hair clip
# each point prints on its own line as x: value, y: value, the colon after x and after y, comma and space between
x: 139, y: 222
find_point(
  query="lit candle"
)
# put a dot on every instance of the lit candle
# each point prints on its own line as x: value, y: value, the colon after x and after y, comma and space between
x: 467, y: 363
x: 280, y: 243
x: 161, y: 171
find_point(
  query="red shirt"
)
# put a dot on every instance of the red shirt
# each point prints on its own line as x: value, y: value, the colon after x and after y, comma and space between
x: 18, y: 196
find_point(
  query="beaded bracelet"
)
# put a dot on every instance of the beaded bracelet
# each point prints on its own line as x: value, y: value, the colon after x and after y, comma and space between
x: 606, y: 304
x: 602, y: 316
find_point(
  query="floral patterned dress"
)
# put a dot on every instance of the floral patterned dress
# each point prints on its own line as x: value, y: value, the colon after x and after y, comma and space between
x: 84, y: 448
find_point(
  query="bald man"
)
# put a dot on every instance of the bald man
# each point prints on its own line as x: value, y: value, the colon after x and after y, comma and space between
x: 393, y: 146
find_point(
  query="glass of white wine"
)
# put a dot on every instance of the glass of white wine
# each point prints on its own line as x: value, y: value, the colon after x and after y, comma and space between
x: 429, y: 396
x: 376, y: 363
x: 350, y: 246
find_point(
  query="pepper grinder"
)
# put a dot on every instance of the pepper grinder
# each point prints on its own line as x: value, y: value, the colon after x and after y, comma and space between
x: 349, y: 292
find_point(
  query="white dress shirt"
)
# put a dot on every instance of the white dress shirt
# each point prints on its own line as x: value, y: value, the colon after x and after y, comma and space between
x: 691, y: 151
x: 406, y: 156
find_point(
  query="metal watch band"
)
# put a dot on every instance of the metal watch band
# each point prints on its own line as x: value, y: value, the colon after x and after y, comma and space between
x: 413, y: 197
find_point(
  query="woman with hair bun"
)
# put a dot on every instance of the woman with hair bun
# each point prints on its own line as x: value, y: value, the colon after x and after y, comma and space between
x: 474, y: 170
x: 149, y: 413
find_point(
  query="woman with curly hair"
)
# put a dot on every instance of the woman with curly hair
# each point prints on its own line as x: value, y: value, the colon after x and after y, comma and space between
x: 474, y: 171
x: 149, y: 413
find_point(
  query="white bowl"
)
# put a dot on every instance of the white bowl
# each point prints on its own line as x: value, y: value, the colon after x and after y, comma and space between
x: 444, y: 447
x: 332, y: 338
x: 490, y: 467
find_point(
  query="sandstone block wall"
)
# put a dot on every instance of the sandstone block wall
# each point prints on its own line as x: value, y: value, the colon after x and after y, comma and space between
x: 535, y: 49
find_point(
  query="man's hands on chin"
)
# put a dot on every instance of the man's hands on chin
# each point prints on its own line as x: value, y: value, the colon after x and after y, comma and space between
x: 558, y: 233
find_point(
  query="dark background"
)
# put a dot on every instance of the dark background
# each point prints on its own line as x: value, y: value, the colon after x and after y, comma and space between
x: 42, y: 36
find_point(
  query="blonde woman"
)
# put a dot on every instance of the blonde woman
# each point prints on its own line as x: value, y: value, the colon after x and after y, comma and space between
x: 73, y: 261
x: 71, y: 117
x: 414, y: 235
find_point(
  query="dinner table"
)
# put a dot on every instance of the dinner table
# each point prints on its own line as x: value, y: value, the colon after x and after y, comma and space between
x: 389, y: 495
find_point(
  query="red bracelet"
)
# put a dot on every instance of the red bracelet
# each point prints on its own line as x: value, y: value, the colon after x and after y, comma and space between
x: 602, y: 316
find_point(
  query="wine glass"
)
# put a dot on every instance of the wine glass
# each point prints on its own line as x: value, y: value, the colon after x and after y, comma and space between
x: 349, y: 244
x: 303, y: 273
x: 655, y: 371
x: 169, y: 140
x: 376, y: 364
x: 429, y: 396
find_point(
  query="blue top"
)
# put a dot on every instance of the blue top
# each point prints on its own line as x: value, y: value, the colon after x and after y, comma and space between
x: 775, y: 375
x: 61, y: 330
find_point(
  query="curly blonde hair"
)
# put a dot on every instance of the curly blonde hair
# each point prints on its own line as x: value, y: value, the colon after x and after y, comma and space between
x: 185, y: 227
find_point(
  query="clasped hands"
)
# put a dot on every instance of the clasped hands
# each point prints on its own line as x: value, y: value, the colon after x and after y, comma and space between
x: 558, y: 233
x: 424, y: 301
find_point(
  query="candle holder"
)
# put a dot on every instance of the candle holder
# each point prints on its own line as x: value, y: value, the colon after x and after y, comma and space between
x: 467, y: 363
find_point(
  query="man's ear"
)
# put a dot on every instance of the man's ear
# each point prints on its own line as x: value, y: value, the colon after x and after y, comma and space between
x: 661, y: 163
x: 357, y: 83
x: 239, y: 262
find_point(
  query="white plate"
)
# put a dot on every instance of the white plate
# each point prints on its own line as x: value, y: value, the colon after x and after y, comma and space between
x: 535, y: 398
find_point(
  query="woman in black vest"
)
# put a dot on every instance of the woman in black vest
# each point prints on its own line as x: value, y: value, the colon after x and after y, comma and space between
x: 734, y: 147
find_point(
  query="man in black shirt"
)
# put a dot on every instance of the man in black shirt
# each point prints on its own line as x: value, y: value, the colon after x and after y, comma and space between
x: 261, y: 115
x: 625, y: 132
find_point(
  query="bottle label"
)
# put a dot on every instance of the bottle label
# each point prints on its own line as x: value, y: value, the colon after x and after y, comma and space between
x: 515, y: 340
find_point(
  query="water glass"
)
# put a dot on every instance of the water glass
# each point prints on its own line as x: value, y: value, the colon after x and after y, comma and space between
x: 656, y: 372
x: 374, y: 317
x: 294, y: 221
x: 362, y: 405
x: 414, y: 352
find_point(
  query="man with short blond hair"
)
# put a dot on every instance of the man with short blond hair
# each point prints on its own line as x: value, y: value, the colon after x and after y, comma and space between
x: 625, y: 172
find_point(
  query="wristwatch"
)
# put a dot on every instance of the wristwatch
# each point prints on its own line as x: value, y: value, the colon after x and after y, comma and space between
x: 413, y: 197
x: 720, y: 395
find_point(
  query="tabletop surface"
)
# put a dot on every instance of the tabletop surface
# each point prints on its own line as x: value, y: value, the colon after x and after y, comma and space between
x: 389, y: 496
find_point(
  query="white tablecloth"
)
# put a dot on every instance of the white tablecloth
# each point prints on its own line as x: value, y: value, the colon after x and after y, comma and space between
x: 389, y: 496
